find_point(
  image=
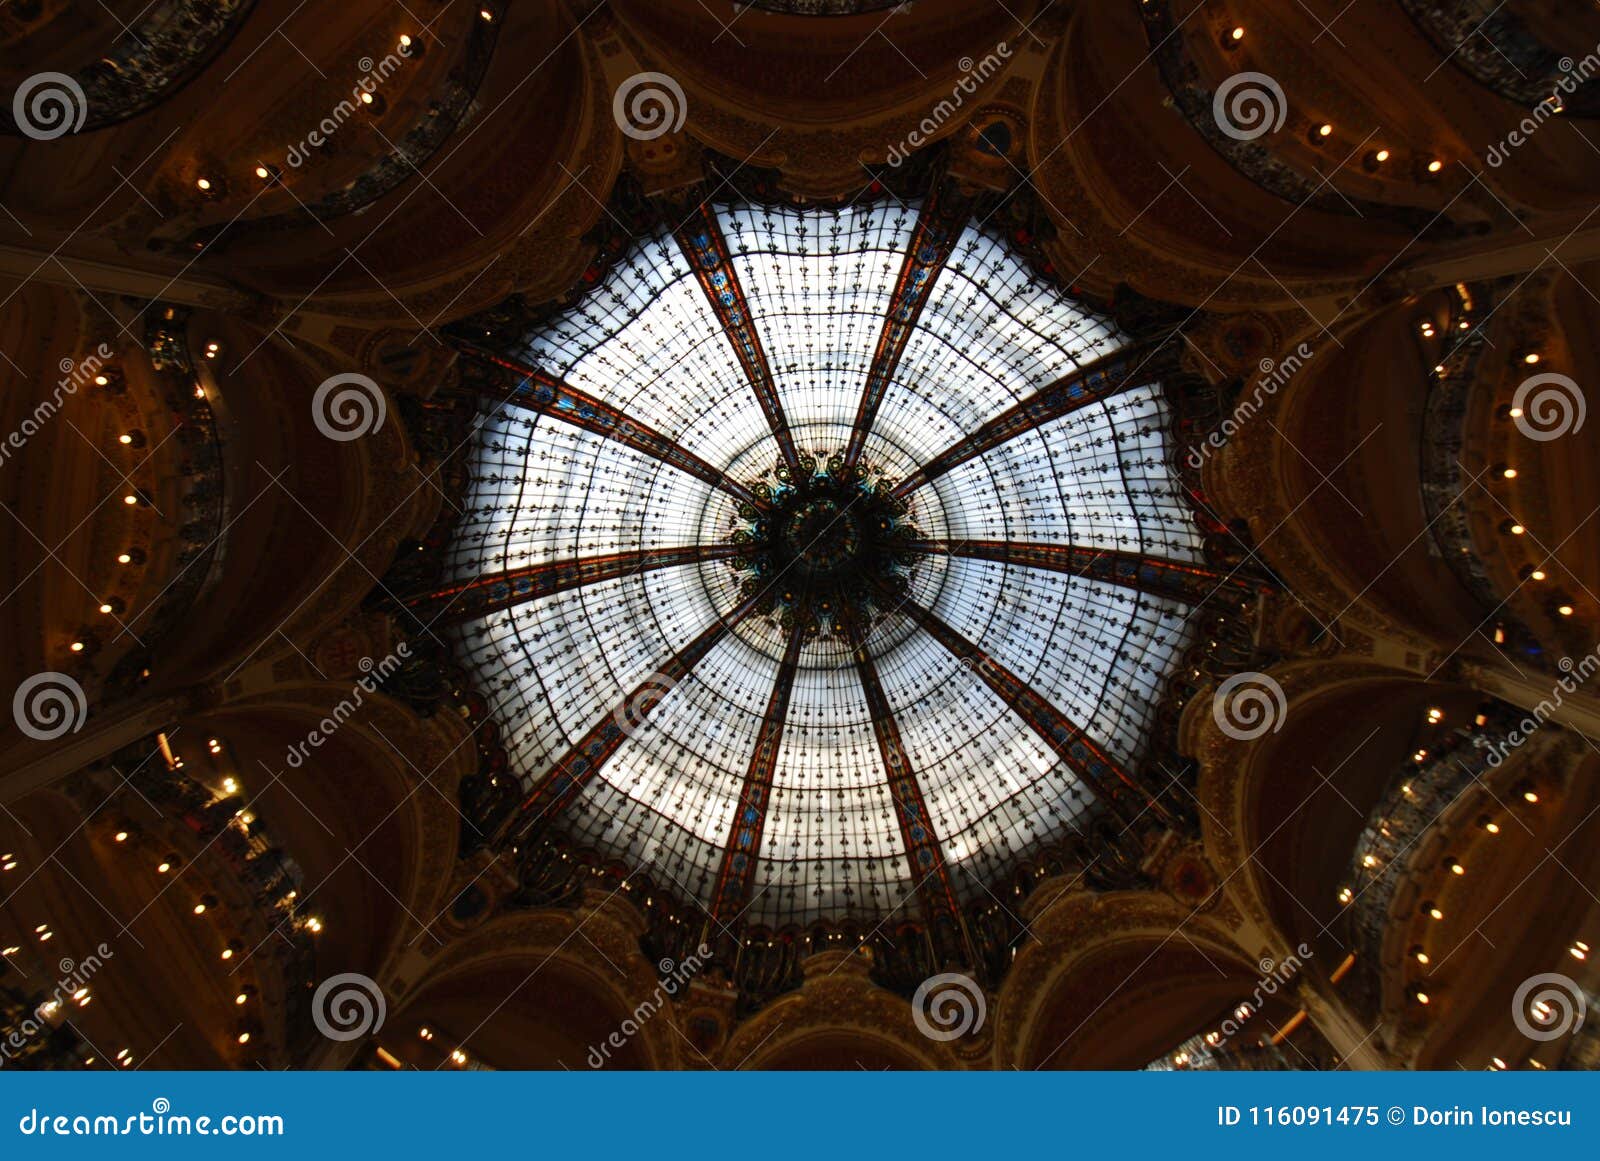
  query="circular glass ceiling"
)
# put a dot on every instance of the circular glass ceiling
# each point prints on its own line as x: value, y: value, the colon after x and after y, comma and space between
x: 803, y: 569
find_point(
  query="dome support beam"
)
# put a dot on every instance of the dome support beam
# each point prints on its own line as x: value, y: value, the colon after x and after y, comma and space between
x: 489, y: 594
x: 1188, y: 583
x: 925, y: 861
x: 1102, y: 773
x: 533, y: 390
x: 1099, y: 380
x: 702, y: 241
x: 734, y: 880
x: 570, y: 773
x: 938, y: 228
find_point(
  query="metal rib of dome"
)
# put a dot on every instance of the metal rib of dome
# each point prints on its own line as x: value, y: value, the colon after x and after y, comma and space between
x: 958, y: 470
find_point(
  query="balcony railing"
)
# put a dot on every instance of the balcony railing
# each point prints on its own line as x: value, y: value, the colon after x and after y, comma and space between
x: 202, y: 513
x: 447, y: 112
x: 1193, y: 98
x: 1444, y: 480
x: 1417, y: 797
x: 168, y: 46
x: 1496, y: 47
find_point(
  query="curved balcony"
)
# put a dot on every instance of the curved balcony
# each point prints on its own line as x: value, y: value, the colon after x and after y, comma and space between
x: 1444, y: 481
x: 35, y: 1018
x: 1430, y: 794
x: 1193, y: 97
x: 231, y: 851
x: 1500, y: 50
x: 196, y: 547
x: 447, y: 112
x: 168, y: 46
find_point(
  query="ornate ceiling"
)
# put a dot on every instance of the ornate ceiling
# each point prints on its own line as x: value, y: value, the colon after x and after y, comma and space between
x: 936, y: 535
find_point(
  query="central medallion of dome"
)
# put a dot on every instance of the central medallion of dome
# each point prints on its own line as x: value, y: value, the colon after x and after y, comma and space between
x: 818, y: 562
x: 830, y: 548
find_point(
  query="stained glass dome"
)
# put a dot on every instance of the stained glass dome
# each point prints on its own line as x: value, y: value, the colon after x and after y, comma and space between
x: 822, y: 561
